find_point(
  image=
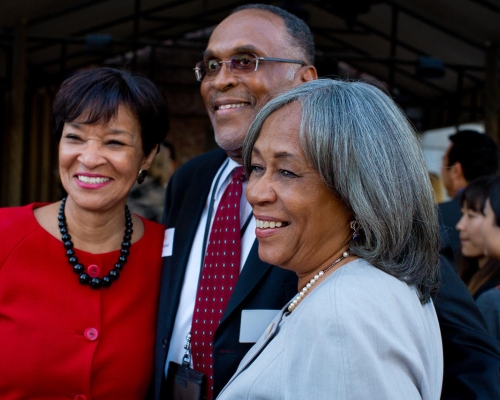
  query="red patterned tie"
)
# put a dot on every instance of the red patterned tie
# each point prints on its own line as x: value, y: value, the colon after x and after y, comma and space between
x: 219, y: 275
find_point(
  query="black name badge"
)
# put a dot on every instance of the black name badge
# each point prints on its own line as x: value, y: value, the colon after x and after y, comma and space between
x: 184, y: 383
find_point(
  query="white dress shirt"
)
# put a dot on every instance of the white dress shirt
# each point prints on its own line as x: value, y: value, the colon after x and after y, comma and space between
x: 182, y: 325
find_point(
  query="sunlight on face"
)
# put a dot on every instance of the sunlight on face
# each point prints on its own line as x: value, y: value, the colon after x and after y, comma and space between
x: 99, y: 163
x: 300, y: 223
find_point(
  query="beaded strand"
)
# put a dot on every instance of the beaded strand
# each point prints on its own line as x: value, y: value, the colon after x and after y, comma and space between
x: 114, y: 274
x: 306, y: 288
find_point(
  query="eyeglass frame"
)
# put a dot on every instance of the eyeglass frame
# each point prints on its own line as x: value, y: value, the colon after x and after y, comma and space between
x: 197, y: 70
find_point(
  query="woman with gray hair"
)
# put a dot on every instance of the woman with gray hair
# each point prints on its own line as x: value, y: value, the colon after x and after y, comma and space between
x: 341, y: 196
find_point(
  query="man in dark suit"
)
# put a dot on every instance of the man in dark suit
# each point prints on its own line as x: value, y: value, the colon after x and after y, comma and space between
x: 470, y: 155
x: 232, y: 97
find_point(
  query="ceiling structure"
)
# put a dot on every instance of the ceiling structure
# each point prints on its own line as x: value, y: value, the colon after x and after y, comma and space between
x: 386, y: 39
x: 437, y: 58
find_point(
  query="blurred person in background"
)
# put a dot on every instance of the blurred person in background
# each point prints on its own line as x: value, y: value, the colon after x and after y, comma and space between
x: 470, y: 155
x: 489, y: 301
x: 437, y: 187
x: 478, y: 271
x: 148, y: 199
x: 79, y: 279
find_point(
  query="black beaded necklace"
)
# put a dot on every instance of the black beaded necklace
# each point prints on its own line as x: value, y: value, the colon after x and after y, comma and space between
x: 85, y: 278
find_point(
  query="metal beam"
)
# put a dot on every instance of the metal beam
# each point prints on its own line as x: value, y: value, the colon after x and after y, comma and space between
x: 488, y: 5
x: 399, y: 70
x: 394, y: 44
x: 119, y: 21
x: 65, y: 11
x: 400, y: 43
x: 202, y: 16
x: 15, y: 135
x: 437, y: 26
x: 457, y: 106
x: 197, y: 17
x: 136, y: 30
x: 491, y: 93
x: 128, y: 43
x: 369, y: 58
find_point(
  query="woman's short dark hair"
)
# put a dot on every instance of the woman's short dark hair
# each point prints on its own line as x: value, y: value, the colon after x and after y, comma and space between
x: 96, y: 94
x: 475, y: 193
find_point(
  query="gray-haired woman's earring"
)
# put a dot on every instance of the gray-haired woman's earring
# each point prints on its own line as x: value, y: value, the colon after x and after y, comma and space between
x: 142, y: 175
x: 355, y: 228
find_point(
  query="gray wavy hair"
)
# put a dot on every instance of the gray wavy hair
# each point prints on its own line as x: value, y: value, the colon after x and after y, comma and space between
x: 368, y: 155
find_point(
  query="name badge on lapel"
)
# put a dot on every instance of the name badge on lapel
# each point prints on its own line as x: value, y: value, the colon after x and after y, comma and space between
x: 254, y: 323
x: 168, y: 242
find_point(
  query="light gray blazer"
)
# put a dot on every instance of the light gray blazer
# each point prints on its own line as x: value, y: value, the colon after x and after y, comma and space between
x: 360, y: 334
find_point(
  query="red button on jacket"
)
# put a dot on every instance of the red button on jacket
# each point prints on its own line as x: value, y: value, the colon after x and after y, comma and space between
x: 91, y: 334
x: 93, y: 271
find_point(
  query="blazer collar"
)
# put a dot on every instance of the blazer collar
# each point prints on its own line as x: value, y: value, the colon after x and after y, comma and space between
x: 185, y: 220
x: 248, y: 279
x: 261, y: 344
x: 192, y: 207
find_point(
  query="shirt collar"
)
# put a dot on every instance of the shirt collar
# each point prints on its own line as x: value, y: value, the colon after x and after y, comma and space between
x: 225, y: 177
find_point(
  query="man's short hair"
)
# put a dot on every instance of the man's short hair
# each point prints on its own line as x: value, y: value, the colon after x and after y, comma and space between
x: 299, y: 32
x: 476, y: 152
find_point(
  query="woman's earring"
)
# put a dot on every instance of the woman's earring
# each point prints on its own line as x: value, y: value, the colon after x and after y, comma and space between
x: 355, y: 228
x: 142, y: 175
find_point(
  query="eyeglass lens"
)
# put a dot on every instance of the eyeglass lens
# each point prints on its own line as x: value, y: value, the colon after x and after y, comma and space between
x: 240, y: 62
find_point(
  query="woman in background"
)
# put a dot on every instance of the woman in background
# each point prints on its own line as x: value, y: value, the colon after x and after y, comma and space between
x: 478, y: 271
x: 79, y: 279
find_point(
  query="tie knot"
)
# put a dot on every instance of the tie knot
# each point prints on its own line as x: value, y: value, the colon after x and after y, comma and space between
x: 239, y: 174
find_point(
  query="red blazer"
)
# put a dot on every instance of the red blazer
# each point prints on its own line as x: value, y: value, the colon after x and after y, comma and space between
x: 62, y: 340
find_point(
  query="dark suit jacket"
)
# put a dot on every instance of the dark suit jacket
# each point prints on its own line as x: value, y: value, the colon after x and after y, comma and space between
x: 260, y: 285
x: 471, y: 356
x: 450, y: 214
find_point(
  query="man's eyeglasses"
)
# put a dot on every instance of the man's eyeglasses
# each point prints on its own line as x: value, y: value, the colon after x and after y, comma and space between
x: 237, y: 64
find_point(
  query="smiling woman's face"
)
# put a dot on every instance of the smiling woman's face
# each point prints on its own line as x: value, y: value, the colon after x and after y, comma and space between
x: 300, y: 223
x: 469, y: 227
x: 98, y: 163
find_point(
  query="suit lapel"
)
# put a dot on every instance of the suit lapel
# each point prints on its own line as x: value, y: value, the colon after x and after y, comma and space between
x: 188, y: 196
x: 251, y: 274
x: 190, y: 213
x: 184, y: 219
x: 260, y: 345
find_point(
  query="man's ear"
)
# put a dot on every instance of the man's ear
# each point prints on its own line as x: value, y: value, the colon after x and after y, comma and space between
x: 457, y: 171
x: 308, y: 73
x: 457, y: 176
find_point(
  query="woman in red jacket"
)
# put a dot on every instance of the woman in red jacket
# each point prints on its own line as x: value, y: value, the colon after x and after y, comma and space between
x: 79, y: 278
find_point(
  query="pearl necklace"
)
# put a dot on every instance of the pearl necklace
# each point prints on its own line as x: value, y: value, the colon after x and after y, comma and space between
x: 85, y: 278
x: 304, y: 290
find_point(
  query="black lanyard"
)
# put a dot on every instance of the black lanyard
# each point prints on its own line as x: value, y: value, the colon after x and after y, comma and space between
x: 210, y: 213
